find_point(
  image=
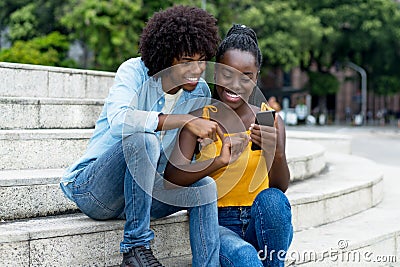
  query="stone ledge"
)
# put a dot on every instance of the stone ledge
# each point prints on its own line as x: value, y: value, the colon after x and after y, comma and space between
x: 375, y: 231
x: 322, y: 199
x: 351, y: 184
x: 332, y: 142
x: 48, y: 113
x: 305, y: 159
x: 24, y: 80
x: 76, y: 240
x: 17, y: 66
x: 65, y: 239
x: 41, y: 148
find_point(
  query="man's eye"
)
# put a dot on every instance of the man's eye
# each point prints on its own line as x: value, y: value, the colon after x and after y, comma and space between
x: 227, y: 76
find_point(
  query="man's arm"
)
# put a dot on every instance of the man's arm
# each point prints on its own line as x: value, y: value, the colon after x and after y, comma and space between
x: 197, y: 126
x: 122, y: 104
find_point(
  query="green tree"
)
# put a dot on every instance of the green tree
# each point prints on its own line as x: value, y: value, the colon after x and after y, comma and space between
x: 322, y: 84
x: 287, y: 35
x: 33, y: 19
x: 50, y: 50
x: 110, y: 29
x: 23, y: 23
x: 366, y: 32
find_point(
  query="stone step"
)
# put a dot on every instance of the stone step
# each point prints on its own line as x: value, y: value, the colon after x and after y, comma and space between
x: 45, y: 198
x: 305, y: 159
x: 24, y: 80
x: 70, y: 240
x: 32, y: 193
x: 76, y: 240
x: 42, y: 148
x: 369, y: 238
x: 332, y: 142
x: 350, y: 185
x: 48, y: 113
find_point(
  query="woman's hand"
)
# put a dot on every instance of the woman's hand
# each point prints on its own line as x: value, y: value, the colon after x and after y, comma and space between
x: 232, y: 147
x: 270, y: 139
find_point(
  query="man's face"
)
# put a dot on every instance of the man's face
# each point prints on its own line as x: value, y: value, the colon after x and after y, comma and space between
x: 185, y: 73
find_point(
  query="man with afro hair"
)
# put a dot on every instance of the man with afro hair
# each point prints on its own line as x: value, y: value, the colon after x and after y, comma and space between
x: 120, y: 174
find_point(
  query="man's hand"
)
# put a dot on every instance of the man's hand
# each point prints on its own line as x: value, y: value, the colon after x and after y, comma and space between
x: 203, y: 128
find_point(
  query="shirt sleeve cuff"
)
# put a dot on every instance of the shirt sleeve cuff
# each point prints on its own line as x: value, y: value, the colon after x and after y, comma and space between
x: 152, y: 121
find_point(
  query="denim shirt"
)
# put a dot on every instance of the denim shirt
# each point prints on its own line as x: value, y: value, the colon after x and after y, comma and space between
x: 133, y: 105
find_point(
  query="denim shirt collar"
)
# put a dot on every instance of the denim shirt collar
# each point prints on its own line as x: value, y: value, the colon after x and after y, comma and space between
x: 186, y: 95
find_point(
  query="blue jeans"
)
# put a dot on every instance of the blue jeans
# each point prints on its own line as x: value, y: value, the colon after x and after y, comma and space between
x: 120, y: 184
x: 258, y: 235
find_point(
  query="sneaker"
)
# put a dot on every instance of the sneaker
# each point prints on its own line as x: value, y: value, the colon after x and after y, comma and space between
x: 140, y: 257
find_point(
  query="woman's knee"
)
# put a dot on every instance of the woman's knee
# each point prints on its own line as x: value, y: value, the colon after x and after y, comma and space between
x: 243, y: 255
x: 274, y: 203
x: 273, y: 198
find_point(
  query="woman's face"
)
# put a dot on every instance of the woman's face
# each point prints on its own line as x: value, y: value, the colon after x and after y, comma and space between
x: 236, y: 77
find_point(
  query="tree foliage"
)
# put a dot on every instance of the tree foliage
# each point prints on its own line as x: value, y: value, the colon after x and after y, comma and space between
x: 110, y: 29
x: 322, y: 83
x: 287, y: 35
x: 49, y: 50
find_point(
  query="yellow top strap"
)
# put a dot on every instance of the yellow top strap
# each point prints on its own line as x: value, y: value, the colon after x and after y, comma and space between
x: 265, y: 107
x: 206, y: 111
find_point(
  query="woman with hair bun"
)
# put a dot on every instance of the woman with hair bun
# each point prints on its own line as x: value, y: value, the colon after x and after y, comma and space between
x: 253, y: 212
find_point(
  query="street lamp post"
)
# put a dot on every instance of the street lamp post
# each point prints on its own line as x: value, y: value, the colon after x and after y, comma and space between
x: 363, y: 88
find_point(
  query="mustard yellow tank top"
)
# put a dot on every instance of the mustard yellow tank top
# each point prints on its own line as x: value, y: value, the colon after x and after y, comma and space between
x: 238, y: 183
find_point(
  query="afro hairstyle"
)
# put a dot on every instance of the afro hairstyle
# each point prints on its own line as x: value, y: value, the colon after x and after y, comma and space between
x: 175, y: 32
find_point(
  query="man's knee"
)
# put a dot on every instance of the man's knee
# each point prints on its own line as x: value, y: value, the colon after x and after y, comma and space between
x: 143, y: 144
x: 206, y: 182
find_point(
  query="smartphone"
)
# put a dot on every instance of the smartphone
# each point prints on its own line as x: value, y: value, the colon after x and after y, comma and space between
x: 266, y: 118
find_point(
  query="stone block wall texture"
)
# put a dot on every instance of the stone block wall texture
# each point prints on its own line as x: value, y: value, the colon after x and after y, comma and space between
x: 23, y: 80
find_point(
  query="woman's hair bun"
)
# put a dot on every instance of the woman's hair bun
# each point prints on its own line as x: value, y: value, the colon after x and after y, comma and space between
x: 242, y: 29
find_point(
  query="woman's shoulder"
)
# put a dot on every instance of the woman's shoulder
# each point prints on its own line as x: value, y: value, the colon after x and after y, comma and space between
x: 255, y: 108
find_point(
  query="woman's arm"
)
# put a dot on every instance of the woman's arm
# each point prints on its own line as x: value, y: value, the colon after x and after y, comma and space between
x: 279, y: 175
x: 180, y: 170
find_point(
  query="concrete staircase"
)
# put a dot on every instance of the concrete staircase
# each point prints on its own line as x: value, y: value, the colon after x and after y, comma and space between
x: 47, y: 118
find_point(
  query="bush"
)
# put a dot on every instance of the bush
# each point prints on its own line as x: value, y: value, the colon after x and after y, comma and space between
x: 50, y: 50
